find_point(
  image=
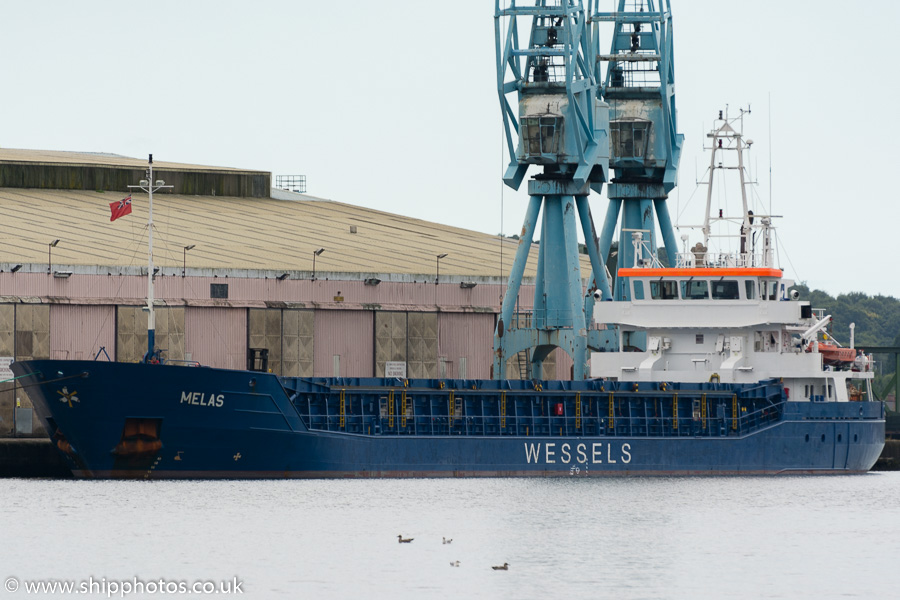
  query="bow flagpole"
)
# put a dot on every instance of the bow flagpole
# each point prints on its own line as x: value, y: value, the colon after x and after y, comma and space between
x: 149, y: 186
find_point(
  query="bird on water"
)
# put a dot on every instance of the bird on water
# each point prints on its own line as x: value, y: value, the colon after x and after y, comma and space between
x: 454, y: 563
x: 403, y: 540
x: 503, y: 567
x: 446, y: 541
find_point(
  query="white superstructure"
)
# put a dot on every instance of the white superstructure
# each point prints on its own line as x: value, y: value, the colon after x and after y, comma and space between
x: 725, y: 316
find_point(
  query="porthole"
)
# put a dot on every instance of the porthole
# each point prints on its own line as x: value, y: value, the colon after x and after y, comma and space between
x: 823, y: 437
x: 839, y: 437
x: 855, y: 437
x: 807, y: 437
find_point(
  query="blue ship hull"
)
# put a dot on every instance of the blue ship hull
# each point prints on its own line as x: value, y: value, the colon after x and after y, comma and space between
x: 119, y: 420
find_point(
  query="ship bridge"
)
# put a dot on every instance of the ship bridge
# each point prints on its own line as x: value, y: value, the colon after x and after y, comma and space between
x: 706, y: 297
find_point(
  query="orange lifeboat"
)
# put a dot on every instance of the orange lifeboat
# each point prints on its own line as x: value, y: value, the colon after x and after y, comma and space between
x: 835, y: 355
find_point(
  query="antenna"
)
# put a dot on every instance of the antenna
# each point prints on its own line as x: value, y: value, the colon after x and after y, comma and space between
x: 770, y: 153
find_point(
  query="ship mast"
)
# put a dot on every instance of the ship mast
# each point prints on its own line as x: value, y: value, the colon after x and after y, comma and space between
x: 734, y: 142
x: 149, y: 186
x: 726, y: 138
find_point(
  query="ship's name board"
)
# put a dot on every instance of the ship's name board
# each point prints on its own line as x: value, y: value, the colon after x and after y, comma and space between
x: 202, y: 399
x: 596, y: 453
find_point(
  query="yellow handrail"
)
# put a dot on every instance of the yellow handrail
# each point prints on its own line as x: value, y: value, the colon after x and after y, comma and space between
x: 703, y: 410
x: 391, y: 409
x: 403, y: 408
x: 342, y: 411
x: 675, y: 411
x: 612, y: 411
x: 577, y: 410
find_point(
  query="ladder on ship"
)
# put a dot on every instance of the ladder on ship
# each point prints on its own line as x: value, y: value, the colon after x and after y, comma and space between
x: 524, y: 360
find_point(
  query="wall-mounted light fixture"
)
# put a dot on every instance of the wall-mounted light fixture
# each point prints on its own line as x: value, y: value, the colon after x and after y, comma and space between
x: 50, y: 248
x: 184, y: 264
x: 315, y: 254
x: 438, y: 269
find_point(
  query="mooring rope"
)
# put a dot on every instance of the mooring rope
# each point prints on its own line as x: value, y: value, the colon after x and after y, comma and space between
x: 81, y: 375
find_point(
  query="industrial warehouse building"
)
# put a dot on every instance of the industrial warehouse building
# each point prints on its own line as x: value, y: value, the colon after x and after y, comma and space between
x: 237, y: 271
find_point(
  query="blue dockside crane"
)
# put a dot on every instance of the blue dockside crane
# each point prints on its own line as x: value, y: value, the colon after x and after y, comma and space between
x: 645, y: 145
x: 566, y: 125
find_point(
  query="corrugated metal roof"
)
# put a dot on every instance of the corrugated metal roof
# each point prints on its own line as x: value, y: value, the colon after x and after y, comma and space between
x: 58, y: 157
x: 233, y: 234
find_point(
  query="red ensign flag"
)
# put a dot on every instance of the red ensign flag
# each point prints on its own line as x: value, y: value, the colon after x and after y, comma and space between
x: 120, y: 208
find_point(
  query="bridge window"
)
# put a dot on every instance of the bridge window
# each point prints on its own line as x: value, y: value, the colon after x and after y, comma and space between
x: 695, y: 289
x: 769, y: 290
x: 750, y: 289
x: 725, y: 290
x: 663, y: 290
x: 638, y: 286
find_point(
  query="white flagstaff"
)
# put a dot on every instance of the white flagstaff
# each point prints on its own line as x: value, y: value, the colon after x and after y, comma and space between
x: 149, y: 186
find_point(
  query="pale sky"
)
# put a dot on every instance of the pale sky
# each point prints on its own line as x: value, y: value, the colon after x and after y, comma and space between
x: 394, y: 106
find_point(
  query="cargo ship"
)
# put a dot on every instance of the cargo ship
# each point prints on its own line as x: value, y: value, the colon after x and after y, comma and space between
x: 719, y: 369
x: 119, y: 420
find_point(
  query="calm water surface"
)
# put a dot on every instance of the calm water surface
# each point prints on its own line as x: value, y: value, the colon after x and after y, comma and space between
x: 792, y: 537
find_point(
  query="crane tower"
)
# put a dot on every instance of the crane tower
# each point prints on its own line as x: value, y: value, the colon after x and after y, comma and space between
x: 565, y: 125
x: 639, y: 86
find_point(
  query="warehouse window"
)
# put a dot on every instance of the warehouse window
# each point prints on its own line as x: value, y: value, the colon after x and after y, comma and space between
x: 218, y: 290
